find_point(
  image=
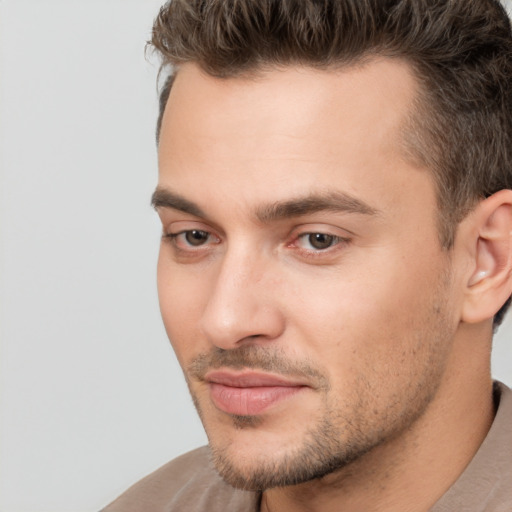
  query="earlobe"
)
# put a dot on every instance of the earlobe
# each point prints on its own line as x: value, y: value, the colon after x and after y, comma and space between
x: 490, y: 282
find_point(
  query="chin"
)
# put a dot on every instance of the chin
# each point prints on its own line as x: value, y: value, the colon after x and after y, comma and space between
x: 264, y: 465
x: 252, y: 456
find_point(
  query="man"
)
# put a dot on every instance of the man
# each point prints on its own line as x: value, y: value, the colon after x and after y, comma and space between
x: 334, y: 191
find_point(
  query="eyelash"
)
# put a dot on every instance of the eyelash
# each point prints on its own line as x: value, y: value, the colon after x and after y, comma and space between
x: 336, y: 242
x: 174, y: 237
x: 332, y: 242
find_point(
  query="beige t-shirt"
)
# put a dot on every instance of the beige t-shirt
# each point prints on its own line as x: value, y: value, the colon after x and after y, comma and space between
x: 190, y: 483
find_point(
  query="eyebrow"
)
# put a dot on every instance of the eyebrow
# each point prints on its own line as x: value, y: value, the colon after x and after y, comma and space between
x: 163, y: 198
x: 305, y: 205
x: 279, y: 210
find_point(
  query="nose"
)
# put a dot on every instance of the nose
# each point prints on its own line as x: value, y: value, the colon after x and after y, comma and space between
x: 242, y: 306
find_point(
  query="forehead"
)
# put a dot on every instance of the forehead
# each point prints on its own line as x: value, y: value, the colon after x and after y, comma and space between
x: 308, y: 127
x: 376, y: 89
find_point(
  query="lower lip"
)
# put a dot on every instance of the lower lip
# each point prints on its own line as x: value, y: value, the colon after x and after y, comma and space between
x: 249, y: 401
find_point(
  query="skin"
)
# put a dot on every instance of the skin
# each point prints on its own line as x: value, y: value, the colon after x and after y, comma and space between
x: 382, y: 327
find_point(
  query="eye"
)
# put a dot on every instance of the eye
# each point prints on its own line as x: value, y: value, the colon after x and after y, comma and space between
x: 318, y: 241
x: 191, y: 238
x: 195, y: 237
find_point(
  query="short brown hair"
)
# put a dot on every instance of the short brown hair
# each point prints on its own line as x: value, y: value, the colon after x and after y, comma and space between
x: 459, y: 50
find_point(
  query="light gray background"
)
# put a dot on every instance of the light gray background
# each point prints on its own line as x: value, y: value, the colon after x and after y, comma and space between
x: 91, y: 398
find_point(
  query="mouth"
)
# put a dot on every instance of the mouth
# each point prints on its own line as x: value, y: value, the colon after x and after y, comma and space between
x: 249, y: 393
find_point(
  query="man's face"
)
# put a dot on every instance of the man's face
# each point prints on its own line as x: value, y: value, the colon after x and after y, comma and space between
x: 301, y: 279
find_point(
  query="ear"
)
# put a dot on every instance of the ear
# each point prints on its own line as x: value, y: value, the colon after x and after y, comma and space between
x: 490, y: 242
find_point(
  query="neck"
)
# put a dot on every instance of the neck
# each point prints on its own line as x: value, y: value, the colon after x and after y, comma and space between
x: 413, y: 470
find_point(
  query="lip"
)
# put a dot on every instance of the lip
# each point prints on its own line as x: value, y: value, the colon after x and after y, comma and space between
x: 249, y: 393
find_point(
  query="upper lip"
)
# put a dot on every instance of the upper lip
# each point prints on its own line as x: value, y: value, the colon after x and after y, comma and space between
x: 249, y: 379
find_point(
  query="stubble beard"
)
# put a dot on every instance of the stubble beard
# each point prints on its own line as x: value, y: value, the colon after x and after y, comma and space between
x: 331, y: 446
x: 347, y: 429
x: 320, y: 454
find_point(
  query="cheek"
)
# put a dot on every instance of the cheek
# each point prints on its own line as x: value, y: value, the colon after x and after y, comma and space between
x: 353, y: 323
x: 181, y: 300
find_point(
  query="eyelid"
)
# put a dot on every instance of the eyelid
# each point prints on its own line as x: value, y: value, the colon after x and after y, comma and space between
x: 174, y: 230
x: 341, y: 239
x: 170, y: 217
x: 177, y: 226
x: 175, y: 234
x: 324, y: 229
x: 335, y: 239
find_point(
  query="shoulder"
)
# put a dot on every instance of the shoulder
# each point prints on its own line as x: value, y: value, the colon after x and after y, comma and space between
x: 486, y: 484
x: 188, y: 482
